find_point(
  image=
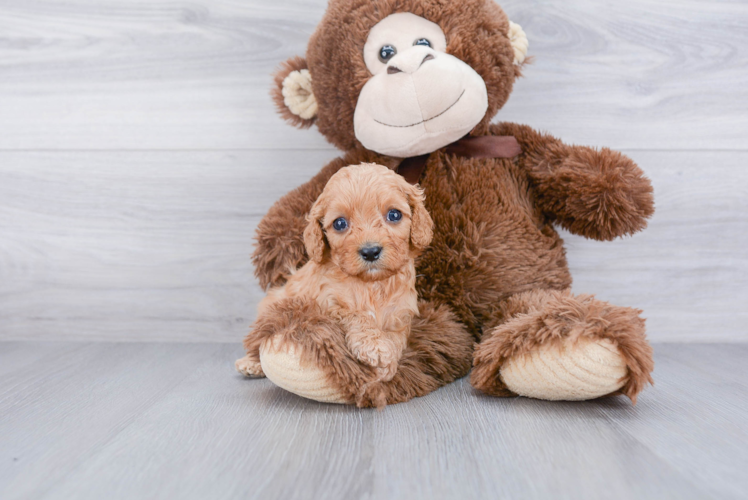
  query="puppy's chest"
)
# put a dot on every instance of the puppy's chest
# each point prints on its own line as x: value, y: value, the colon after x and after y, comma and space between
x: 387, y: 303
x: 370, y: 300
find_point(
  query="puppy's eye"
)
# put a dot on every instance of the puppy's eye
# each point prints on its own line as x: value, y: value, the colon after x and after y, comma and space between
x: 422, y: 41
x: 340, y: 224
x: 386, y: 53
x: 394, y: 215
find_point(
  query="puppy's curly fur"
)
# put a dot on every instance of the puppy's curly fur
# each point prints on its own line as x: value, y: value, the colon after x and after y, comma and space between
x: 374, y: 300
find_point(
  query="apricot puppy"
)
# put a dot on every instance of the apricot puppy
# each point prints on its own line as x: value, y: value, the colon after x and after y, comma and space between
x: 363, y: 234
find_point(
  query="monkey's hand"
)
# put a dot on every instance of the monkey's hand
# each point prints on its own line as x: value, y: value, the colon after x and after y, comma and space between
x: 596, y: 193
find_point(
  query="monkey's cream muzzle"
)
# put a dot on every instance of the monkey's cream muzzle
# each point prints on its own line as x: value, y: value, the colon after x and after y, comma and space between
x: 410, y: 108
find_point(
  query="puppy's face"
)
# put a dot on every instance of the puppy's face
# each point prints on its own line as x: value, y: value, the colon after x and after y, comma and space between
x: 369, y: 222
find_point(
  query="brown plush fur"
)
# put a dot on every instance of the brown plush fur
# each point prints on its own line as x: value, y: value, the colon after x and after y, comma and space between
x: 599, y: 194
x: 494, y: 251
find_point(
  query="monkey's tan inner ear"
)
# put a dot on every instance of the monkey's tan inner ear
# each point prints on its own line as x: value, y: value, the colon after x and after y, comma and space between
x: 298, y: 96
x: 519, y: 41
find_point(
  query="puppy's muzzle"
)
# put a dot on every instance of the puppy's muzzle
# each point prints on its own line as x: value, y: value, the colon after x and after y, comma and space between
x: 370, y: 253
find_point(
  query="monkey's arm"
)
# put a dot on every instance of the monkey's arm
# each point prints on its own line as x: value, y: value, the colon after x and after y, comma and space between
x: 600, y: 194
x: 279, y: 246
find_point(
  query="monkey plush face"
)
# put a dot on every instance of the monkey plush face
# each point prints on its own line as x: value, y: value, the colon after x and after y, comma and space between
x: 403, y: 77
x: 419, y: 98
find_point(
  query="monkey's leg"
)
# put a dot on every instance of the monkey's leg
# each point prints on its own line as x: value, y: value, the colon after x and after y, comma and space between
x: 553, y: 345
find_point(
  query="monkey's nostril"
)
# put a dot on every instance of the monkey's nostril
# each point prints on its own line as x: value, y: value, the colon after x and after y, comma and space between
x: 391, y: 70
x: 370, y: 254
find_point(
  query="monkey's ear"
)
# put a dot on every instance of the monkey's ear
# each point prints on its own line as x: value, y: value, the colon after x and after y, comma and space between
x: 314, y: 238
x: 520, y: 44
x: 421, y: 225
x: 293, y: 94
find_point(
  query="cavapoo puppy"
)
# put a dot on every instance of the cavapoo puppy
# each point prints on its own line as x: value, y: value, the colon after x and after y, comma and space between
x: 362, y: 236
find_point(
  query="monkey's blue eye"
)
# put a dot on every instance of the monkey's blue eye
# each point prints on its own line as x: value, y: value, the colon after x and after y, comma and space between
x: 394, y: 215
x: 422, y: 41
x: 340, y: 224
x: 386, y: 53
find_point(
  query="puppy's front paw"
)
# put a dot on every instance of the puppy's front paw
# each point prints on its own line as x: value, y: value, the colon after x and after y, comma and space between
x: 249, y: 367
x: 387, y: 372
x: 374, y: 351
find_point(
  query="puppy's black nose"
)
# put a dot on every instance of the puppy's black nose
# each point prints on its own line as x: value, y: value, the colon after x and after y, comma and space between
x: 370, y: 253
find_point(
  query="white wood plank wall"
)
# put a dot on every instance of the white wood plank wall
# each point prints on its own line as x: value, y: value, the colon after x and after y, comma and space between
x: 139, y: 149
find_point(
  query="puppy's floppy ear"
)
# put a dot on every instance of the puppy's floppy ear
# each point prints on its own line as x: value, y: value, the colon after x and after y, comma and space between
x: 292, y: 93
x: 314, y: 238
x: 421, y: 225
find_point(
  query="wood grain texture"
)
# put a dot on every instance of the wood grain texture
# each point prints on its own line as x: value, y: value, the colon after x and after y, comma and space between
x: 155, y: 245
x: 156, y: 74
x: 155, y: 420
x: 135, y: 245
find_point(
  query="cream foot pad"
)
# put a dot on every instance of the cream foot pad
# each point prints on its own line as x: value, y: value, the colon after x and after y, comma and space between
x: 588, y: 369
x: 282, y: 365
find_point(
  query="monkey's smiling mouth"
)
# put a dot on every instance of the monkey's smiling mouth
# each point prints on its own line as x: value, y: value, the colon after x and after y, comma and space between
x: 423, y: 121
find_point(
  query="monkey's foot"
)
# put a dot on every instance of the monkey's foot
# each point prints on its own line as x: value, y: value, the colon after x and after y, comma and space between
x: 284, y: 366
x: 569, y: 371
x: 558, y: 346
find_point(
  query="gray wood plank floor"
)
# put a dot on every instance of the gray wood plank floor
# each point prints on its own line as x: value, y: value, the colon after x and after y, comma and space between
x: 154, y: 420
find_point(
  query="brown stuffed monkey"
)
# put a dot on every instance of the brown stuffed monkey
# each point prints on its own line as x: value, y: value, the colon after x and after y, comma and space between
x: 413, y: 85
